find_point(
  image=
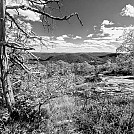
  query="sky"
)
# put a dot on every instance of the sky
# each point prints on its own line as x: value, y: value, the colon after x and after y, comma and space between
x: 104, y: 21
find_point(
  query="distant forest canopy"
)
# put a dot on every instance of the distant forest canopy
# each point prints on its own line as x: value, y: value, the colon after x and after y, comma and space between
x: 92, y: 58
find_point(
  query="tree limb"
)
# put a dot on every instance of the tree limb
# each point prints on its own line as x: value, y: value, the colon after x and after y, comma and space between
x: 16, y: 24
x: 41, y: 12
x: 27, y: 35
x: 19, y: 63
x: 44, y: 3
x: 33, y: 56
x: 21, y: 48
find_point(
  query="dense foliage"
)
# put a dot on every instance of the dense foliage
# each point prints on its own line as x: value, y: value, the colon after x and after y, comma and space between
x: 52, y: 98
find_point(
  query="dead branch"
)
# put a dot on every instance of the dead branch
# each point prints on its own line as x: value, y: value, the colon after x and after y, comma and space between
x: 21, y: 64
x: 11, y: 45
x: 16, y: 24
x: 44, y: 3
x: 27, y: 35
x: 41, y: 12
x: 33, y: 56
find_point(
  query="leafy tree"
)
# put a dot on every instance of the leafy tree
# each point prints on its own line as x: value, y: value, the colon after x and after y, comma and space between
x: 127, y: 47
x: 128, y: 41
x: 19, y: 38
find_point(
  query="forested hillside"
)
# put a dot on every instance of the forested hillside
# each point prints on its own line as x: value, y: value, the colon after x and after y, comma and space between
x: 92, y: 58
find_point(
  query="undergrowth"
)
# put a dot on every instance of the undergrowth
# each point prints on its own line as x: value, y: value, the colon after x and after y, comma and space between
x: 49, y: 104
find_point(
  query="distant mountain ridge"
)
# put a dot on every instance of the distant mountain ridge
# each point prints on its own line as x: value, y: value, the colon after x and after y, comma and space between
x: 99, y: 58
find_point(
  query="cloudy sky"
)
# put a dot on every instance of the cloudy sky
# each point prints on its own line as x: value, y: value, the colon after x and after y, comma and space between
x: 104, y: 21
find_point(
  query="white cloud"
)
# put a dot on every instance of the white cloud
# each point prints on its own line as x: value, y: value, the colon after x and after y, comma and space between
x: 16, y: 2
x: 113, y: 32
x: 77, y: 37
x: 97, y: 42
x: 106, y: 41
x: 109, y: 33
x: 106, y: 38
x: 65, y: 36
x: 59, y: 46
x: 128, y: 10
x: 107, y: 22
x: 29, y: 15
x: 102, y: 45
x: 46, y: 38
x: 63, y: 46
x: 86, y: 46
x: 75, y: 49
x: 90, y: 35
x: 62, y: 37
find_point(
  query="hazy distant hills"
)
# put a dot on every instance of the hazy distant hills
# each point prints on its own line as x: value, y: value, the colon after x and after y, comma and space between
x: 76, y: 57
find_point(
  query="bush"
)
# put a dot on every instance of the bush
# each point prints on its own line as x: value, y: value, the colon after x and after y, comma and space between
x: 112, y: 116
x: 25, y: 118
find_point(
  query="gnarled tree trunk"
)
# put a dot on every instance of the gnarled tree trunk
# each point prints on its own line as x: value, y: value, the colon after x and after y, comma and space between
x: 4, y: 68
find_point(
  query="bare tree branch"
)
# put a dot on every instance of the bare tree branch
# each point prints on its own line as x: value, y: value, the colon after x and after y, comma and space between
x: 44, y: 3
x: 16, y: 24
x: 27, y: 35
x: 33, y: 56
x: 24, y: 7
x: 19, y: 63
x: 21, y: 48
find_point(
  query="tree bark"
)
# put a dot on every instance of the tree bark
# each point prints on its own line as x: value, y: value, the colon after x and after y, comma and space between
x: 4, y: 67
x: 133, y: 61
